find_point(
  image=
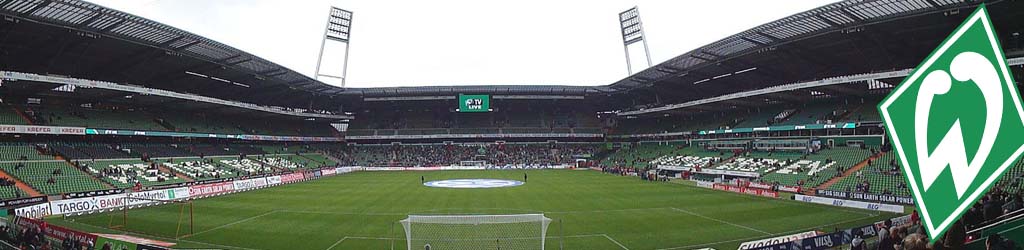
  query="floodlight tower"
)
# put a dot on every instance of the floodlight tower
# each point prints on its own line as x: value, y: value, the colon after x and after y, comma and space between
x: 633, y: 32
x: 339, y: 24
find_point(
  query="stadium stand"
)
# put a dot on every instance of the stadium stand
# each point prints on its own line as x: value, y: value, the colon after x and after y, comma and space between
x: 9, y: 191
x: 199, y: 169
x: 201, y: 123
x: 811, y: 170
x: 155, y: 150
x: 126, y: 173
x: 9, y: 115
x: 451, y: 155
x: 82, y: 151
x: 18, y: 151
x: 52, y: 177
x: 96, y: 118
x: 883, y: 176
x: 247, y: 166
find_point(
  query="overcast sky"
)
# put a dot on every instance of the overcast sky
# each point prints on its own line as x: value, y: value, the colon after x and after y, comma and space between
x: 464, y: 42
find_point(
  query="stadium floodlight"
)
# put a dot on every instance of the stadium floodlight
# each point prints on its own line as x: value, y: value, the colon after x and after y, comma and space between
x: 339, y: 26
x: 633, y: 32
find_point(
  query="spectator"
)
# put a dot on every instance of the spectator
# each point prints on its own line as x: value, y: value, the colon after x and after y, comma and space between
x: 915, y: 242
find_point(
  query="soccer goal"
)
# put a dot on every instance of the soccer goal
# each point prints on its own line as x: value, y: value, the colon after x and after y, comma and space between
x: 168, y: 218
x: 488, y: 232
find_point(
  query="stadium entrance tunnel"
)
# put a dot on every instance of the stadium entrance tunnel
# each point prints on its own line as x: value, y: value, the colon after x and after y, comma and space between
x: 473, y: 183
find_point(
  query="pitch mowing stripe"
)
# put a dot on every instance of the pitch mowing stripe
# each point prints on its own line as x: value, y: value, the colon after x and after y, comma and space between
x: 722, y: 221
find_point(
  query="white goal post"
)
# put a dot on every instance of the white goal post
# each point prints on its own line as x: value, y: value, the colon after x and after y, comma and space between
x: 486, y: 232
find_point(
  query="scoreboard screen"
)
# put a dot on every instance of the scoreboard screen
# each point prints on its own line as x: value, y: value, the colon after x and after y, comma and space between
x: 474, y: 103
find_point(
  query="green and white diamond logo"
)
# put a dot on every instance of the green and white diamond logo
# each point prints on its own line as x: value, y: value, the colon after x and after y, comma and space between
x: 956, y: 123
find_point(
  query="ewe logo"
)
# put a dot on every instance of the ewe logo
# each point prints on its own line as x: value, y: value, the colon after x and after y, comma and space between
x: 956, y: 123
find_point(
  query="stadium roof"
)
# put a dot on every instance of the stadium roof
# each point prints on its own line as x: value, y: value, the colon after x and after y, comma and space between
x: 84, y: 40
x: 845, y: 38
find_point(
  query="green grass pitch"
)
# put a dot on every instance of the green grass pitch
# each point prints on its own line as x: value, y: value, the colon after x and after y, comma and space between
x: 591, y: 210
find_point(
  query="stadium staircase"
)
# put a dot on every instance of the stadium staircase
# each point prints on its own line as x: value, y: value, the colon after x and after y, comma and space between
x: 106, y: 184
x: 165, y: 124
x: 20, y: 184
x: 275, y: 168
x: 849, y: 172
x: 22, y: 115
x: 165, y: 169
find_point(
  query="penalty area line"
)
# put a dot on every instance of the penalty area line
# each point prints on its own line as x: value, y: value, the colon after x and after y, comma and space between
x: 233, y: 223
x: 337, y: 242
x: 615, y: 241
x: 722, y: 221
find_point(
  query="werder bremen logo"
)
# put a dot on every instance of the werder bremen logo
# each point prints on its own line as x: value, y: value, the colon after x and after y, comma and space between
x: 956, y: 123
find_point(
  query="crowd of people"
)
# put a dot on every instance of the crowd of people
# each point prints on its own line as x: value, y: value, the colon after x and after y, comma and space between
x: 912, y: 236
x: 34, y: 238
x: 454, y: 154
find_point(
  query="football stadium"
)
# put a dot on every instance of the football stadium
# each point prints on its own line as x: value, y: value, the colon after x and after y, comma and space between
x: 121, y: 132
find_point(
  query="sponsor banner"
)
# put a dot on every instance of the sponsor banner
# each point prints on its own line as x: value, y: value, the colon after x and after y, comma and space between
x: 328, y: 171
x: 343, y: 170
x: 897, y: 221
x: 790, y: 189
x: 848, y: 125
x: 866, y: 197
x: 211, y: 189
x: 260, y: 182
x: 56, y: 232
x: 705, y: 184
x: 22, y: 202
x: 455, y: 136
x: 759, y: 185
x: 89, y: 204
x: 513, y: 167
x: 849, y: 203
x: 750, y: 191
x: 246, y: 184
x: 153, y: 196
x: 777, y: 240
x: 782, y: 188
x: 29, y: 223
x: 819, y: 242
x: 93, y: 193
x: 37, y: 211
x: 385, y: 169
x: 274, y: 180
x: 61, y: 233
x: 50, y: 130
x: 96, y: 131
x: 293, y: 177
x: 711, y: 171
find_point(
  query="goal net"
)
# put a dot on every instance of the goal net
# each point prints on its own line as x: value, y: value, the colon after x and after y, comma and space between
x: 165, y: 218
x: 504, y: 232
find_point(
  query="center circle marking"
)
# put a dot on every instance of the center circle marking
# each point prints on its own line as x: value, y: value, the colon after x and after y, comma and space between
x: 473, y: 183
